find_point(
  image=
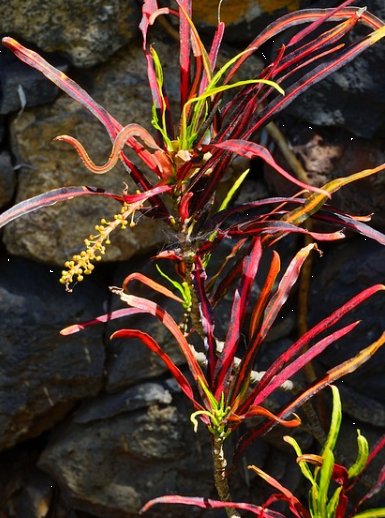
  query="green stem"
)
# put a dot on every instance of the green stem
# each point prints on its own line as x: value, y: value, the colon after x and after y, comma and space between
x: 220, y: 478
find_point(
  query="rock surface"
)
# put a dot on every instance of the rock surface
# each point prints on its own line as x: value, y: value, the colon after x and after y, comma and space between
x: 43, y: 374
x: 22, y: 86
x: 7, y: 179
x: 86, y: 31
x: 243, y: 19
x: 129, y: 457
x: 343, y: 272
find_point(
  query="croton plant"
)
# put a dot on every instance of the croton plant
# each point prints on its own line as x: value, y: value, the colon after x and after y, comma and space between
x: 183, y: 161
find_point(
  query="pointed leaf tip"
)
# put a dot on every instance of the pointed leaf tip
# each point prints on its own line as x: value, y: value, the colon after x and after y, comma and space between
x: 70, y: 330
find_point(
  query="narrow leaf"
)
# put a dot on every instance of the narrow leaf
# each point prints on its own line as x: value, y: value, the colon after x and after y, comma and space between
x: 336, y: 373
x: 315, y: 201
x: 264, y: 295
x: 207, y: 317
x: 326, y: 323
x: 317, y: 23
x: 250, y: 267
x: 107, y: 317
x: 294, y: 367
x: 332, y: 375
x: 362, y: 456
x: 301, y: 462
x: 335, y: 423
x: 251, y: 150
x: 206, y: 503
x: 69, y: 86
x: 295, y: 505
x: 151, y: 284
x: 325, y: 477
x: 233, y: 189
x: 50, y: 198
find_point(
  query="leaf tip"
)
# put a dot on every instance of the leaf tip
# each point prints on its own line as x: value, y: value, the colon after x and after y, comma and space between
x: 70, y: 330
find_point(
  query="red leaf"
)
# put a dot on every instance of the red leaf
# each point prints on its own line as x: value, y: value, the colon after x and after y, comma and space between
x: 50, y: 198
x: 69, y: 86
x: 265, y: 293
x: 304, y: 359
x: 319, y: 328
x: 295, y: 505
x: 207, y: 317
x: 314, y: 77
x: 206, y: 503
x: 249, y: 270
x: 259, y: 411
x: 242, y: 381
x: 107, y: 317
x: 313, y: 26
x: 332, y: 375
x: 151, y: 284
x: 336, y: 373
x: 251, y: 150
x: 296, y: 18
x: 185, y: 45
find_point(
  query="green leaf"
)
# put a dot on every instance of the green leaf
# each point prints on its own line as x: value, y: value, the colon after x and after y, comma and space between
x: 188, y: 133
x: 362, y: 456
x: 236, y: 185
x: 325, y: 473
x: 333, y: 502
x: 183, y: 288
x: 306, y: 472
x: 162, y: 128
x: 335, y: 421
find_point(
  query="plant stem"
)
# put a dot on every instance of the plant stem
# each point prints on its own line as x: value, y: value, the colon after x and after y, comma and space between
x: 220, y: 479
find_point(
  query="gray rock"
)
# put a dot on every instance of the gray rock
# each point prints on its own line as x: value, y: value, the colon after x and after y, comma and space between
x: 343, y: 272
x: 111, y: 467
x: 55, y: 234
x: 7, y: 179
x: 134, y: 398
x: 22, y: 86
x: 42, y: 374
x: 86, y: 31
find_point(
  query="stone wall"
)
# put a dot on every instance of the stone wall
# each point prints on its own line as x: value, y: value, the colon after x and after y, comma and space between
x: 94, y: 429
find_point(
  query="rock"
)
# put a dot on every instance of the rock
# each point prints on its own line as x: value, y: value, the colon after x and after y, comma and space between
x: 111, y: 466
x: 42, y: 373
x: 22, y: 86
x: 7, y: 179
x: 343, y: 272
x: 87, y: 32
x: 134, y: 398
x: 55, y: 234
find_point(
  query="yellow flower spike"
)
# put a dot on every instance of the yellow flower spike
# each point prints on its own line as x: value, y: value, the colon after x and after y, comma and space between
x: 95, y: 245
